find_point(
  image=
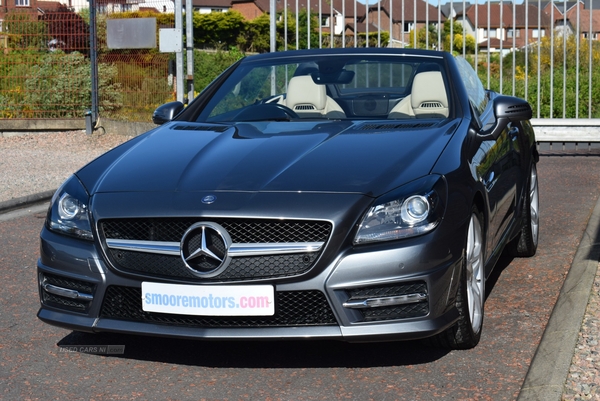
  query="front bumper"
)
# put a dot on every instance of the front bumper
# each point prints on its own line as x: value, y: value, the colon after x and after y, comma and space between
x: 364, y: 294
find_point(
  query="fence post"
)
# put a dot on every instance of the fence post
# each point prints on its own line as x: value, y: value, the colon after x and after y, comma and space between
x: 94, y: 69
x: 273, y: 26
x: 179, y: 54
x: 189, y: 32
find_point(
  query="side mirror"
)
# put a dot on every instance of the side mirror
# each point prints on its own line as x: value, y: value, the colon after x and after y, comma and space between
x: 512, y: 108
x: 166, y: 112
x: 507, y: 109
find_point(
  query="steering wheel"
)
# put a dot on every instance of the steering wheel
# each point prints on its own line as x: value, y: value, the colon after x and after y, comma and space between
x: 266, y: 111
x: 291, y: 113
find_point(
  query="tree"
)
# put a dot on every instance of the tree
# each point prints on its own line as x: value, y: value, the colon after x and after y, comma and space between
x: 256, y: 35
x: 426, y: 35
x: 208, y: 66
x: 218, y: 30
x: 303, y: 32
x: 456, y: 29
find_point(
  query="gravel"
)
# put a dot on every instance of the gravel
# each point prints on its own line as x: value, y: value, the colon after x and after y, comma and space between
x: 583, y: 381
x: 34, y: 163
x: 40, y: 162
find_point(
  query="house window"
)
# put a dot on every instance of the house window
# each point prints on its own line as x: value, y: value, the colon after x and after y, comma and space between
x: 22, y: 3
x: 407, y: 27
x: 324, y: 21
x: 216, y: 10
x: 516, y: 33
x: 538, y: 33
x: 491, y: 33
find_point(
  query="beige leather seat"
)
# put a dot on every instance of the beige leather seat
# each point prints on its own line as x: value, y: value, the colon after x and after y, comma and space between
x: 428, y: 98
x: 310, y: 100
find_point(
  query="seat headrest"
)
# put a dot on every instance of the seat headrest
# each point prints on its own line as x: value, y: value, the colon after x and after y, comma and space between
x: 428, y: 94
x: 304, y: 94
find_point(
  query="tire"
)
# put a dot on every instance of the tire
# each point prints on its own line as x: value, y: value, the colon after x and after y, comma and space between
x: 526, y: 242
x: 470, y: 297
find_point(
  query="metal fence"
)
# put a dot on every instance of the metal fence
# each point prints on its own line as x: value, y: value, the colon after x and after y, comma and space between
x: 46, y: 59
x: 545, y: 52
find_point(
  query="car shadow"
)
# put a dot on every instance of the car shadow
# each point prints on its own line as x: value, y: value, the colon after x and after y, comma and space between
x: 268, y: 354
x: 256, y: 354
x: 503, y: 262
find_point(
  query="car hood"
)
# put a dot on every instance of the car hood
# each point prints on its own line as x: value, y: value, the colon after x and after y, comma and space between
x: 369, y: 158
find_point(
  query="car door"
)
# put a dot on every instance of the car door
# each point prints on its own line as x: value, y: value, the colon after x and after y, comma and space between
x: 497, y: 160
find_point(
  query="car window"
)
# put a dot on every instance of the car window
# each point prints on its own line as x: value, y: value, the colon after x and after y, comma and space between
x: 258, y: 84
x: 329, y: 87
x: 474, y: 87
x: 379, y: 75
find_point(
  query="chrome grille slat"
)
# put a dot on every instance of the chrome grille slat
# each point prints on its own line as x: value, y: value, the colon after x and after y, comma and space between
x: 235, y: 250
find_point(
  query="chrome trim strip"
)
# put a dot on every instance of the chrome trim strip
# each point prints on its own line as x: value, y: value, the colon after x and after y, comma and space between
x: 385, y: 301
x: 67, y: 293
x: 160, y: 247
x: 235, y: 250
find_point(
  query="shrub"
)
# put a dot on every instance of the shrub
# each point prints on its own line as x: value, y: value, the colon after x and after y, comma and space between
x: 60, y: 86
x: 208, y: 66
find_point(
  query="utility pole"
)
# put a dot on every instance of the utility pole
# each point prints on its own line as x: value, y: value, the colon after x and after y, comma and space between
x: 189, y: 33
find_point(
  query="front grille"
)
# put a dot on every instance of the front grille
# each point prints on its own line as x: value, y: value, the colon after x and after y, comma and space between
x: 246, y: 231
x: 391, y: 312
x: 240, y: 230
x: 247, y: 268
x: 57, y: 301
x: 292, y: 308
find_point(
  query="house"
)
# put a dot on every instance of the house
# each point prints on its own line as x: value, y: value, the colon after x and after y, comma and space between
x: 211, y: 6
x: 31, y: 8
x: 333, y: 15
x: 580, y: 20
x: 401, y: 17
x: 502, y: 27
x: 63, y: 27
x: 452, y: 9
x: 578, y: 17
x: 18, y: 6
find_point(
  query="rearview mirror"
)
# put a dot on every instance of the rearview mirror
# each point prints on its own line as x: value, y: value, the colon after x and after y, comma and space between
x: 336, y: 77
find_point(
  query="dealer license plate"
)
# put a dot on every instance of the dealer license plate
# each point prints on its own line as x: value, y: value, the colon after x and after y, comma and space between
x: 215, y: 300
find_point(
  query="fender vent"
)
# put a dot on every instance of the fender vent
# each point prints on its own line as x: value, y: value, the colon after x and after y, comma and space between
x: 392, y: 126
x: 190, y: 127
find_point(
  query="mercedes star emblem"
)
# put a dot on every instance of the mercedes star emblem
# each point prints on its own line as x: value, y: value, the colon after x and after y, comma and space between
x: 204, y: 249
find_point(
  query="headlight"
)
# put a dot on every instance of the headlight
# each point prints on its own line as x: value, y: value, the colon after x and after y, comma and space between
x: 414, y: 209
x: 68, y: 213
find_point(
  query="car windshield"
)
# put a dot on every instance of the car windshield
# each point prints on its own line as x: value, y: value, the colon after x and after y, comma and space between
x: 331, y: 87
